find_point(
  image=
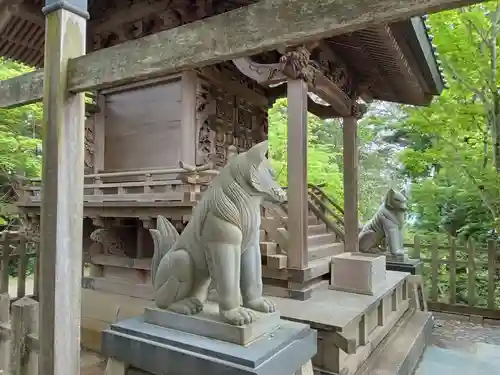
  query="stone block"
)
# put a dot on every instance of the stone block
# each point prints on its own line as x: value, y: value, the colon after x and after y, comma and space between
x: 357, y: 272
x: 151, y: 349
x: 208, y: 323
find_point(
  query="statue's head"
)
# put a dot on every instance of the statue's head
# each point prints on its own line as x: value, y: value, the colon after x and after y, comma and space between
x: 395, y: 200
x: 255, y: 169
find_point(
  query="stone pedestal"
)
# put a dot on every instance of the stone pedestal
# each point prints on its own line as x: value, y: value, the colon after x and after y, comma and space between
x: 208, y: 323
x: 403, y: 264
x: 139, y: 347
x: 358, y: 272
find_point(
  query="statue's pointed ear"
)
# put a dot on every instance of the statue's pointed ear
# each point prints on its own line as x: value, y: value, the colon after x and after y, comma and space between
x: 259, y: 151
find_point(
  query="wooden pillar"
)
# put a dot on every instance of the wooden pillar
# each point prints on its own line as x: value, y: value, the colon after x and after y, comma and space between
x: 297, y: 174
x: 188, y: 122
x: 100, y: 134
x: 62, y: 192
x: 350, y: 184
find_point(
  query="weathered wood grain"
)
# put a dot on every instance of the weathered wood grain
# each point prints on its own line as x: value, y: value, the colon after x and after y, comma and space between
x: 62, y: 206
x: 351, y: 182
x: 297, y: 175
x: 262, y: 26
x: 21, y: 90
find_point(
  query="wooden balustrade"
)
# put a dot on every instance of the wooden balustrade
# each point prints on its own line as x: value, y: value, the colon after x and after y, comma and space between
x: 172, y: 185
x: 460, y: 277
x: 17, y: 252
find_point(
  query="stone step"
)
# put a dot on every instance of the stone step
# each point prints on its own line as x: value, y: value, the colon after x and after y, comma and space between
x: 323, y: 251
x: 400, y: 351
x: 316, y: 229
x: 268, y: 247
x: 320, y: 239
x: 311, y: 220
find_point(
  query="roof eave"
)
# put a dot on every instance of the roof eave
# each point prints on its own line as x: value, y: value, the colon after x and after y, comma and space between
x: 424, y: 51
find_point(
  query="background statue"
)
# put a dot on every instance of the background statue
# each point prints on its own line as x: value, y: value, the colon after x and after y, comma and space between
x: 387, y: 223
x: 220, y: 242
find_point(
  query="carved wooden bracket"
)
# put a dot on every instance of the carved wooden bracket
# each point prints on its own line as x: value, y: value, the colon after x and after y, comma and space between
x: 296, y: 65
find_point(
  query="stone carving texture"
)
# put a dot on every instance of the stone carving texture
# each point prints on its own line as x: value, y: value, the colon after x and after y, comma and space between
x: 220, y: 243
x: 387, y: 223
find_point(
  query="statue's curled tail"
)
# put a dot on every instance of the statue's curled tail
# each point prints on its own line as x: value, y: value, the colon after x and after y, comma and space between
x: 164, y: 238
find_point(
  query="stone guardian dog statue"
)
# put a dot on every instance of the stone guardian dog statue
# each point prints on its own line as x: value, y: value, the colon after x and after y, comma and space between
x: 388, y: 223
x: 220, y: 243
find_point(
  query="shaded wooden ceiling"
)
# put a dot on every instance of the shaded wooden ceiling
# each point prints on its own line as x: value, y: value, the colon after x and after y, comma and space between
x: 397, y: 60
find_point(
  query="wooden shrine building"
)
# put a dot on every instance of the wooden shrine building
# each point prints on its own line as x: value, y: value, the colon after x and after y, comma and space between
x: 191, y: 81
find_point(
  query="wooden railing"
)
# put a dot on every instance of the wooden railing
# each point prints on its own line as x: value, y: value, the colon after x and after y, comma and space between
x: 19, y: 343
x: 173, y: 185
x: 460, y: 277
x: 18, y: 265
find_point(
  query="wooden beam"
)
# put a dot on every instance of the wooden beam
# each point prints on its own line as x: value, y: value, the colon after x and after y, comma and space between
x: 297, y: 174
x: 8, y: 9
x: 351, y: 226
x: 31, y: 13
x: 62, y: 203
x: 21, y: 90
x: 264, y: 25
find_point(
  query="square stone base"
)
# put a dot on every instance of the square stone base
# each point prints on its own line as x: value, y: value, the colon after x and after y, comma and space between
x: 208, y: 323
x: 158, y: 350
x: 413, y: 266
x: 357, y: 272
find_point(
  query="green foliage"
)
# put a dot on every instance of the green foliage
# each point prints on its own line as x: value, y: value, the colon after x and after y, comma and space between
x: 322, y: 157
x: 19, y: 138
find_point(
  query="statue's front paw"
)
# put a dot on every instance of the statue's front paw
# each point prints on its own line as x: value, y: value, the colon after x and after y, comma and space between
x: 188, y: 306
x: 239, y: 316
x: 262, y: 304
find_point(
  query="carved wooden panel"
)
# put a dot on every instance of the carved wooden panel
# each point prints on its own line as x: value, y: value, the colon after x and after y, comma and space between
x: 89, y: 144
x: 226, y: 120
x: 205, y: 116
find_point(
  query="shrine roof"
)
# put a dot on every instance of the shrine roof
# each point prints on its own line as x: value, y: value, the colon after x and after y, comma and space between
x: 397, y: 60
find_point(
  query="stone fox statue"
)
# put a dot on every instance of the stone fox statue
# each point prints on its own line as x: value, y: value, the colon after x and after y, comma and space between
x: 220, y: 243
x: 387, y: 223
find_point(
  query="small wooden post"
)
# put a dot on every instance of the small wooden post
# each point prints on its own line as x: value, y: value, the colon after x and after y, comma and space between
x: 36, y: 276
x: 416, y: 247
x: 453, y: 272
x: 298, y: 207
x: 62, y: 198
x: 114, y: 367
x: 434, y: 270
x: 4, y: 287
x: 22, y: 267
x: 492, y: 249
x: 24, y: 359
x: 351, y: 221
x: 5, y: 332
x: 471, y: 272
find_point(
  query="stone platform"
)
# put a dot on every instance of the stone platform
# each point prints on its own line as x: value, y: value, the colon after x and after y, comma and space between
x: 350, y: 326
x: 151, y: 349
